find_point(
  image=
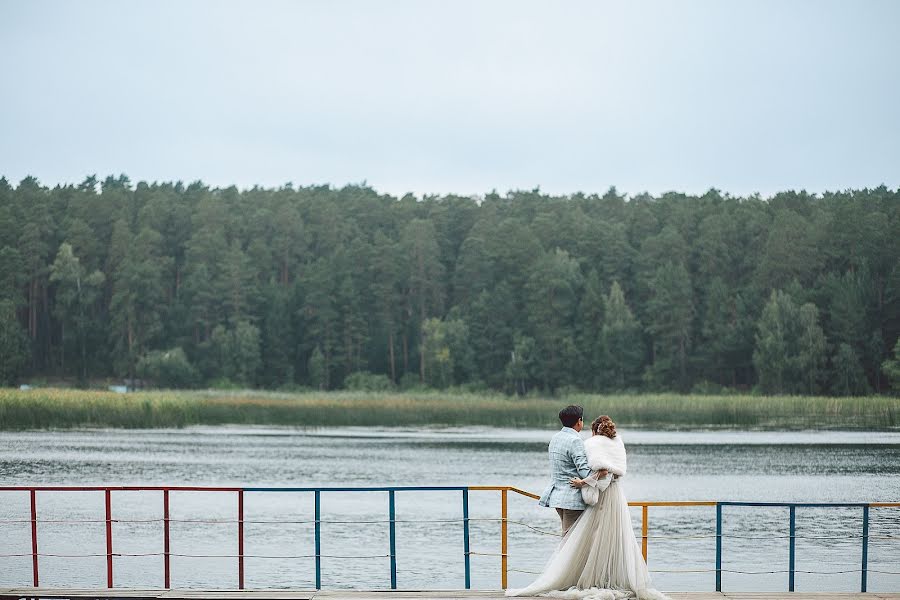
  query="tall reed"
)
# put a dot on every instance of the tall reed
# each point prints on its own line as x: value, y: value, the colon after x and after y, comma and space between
x: 65, y: 408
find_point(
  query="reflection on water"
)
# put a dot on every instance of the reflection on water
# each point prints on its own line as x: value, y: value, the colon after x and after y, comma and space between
x: 761, y: 466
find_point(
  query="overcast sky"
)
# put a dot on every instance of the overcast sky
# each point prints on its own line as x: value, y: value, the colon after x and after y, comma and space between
x: 455, y: 96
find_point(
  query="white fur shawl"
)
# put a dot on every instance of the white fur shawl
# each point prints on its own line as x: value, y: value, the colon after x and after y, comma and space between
x: 605, y: 453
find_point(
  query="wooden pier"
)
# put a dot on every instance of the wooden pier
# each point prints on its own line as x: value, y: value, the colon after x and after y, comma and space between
x: 193, y: 594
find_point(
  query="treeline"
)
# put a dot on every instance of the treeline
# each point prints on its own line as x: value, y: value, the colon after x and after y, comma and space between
x: 183, y: 285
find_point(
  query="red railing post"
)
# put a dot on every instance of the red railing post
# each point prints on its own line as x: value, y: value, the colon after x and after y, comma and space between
x: 240, y: 539
x: 34, y: 552
x: 166, y: 539
x: 109, y: 556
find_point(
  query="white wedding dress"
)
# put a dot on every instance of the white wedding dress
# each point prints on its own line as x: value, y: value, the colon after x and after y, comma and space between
x: 599, y: 558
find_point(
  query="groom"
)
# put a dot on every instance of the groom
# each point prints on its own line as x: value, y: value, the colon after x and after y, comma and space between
x: 567, y: 462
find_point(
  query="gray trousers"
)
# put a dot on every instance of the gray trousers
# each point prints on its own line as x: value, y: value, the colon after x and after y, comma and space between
x: 568, y: 516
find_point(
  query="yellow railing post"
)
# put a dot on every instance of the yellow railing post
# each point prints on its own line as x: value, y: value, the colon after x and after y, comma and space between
x: 503, y: 540
x: 644, y: 531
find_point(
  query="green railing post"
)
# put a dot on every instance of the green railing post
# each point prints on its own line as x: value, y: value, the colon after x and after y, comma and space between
x: 791, y: 552
x: 718, y: 547
x: 865, y: 550
x: 392, y: 530
x: 465, y: 508
x: 318, y: 511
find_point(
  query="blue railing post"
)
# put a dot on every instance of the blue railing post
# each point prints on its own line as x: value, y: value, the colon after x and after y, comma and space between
x: 465, y: 500
x: 718, y: 547
x: 865, y: 549
x: 318, y: 510
x: 791, y: 553
x: 392, y: 528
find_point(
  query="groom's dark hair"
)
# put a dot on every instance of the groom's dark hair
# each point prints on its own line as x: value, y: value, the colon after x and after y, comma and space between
x: 570, y: 415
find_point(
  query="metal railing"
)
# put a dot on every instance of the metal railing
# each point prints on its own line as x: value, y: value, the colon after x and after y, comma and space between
x: 392, y: 521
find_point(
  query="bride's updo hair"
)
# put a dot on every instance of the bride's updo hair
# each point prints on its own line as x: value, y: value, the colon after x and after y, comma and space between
x: 603, y: 425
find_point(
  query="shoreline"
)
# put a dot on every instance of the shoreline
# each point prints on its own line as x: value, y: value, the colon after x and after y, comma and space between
x: 57, y: 408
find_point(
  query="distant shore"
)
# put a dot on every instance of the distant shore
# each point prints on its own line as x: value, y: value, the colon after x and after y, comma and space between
x: 44, y: 408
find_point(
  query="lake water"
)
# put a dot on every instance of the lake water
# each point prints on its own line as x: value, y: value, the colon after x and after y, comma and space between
x: 682, y: 465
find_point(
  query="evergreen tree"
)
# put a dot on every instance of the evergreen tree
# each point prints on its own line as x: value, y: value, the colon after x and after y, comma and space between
x: 848, y: 376
x: 278, y: 341
x: 236, y: 285
x: 205, y: 282
x: 77, y: 291
x: 138, y: 304
x: 237, y: 351
x: 426, y: 294
x: 790, y: 346
x: 34, y: 248
x: 288, y: 242
x: 13, y: 276
x: 492, y: 327
x: 522, y: 368
x: 812, y: 348
x: 726, y: 352
x: 353, y: 298
x: 621, y: 343
x: 448, y: 354
x: 317, y: 369
x: 589, y: 332
x: 13, y: 344
x: 387, y: 269
x: 323, y: 319
x: 552, y: 293
x: 670, y: 315
x: 245, y: 353
x: 891, y: 367
x: 473, y: 273
x: 791, y: 252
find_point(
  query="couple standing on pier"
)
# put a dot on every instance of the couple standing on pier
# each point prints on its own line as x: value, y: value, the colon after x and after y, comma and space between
x: 598, y: 557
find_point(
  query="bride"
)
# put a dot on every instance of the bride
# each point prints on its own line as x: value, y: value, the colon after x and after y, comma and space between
x: 599, y: 557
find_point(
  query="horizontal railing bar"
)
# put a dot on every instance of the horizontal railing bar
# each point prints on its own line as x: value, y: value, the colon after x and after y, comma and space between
x: 115, y: 488
x: 500, y: 488
x: 487, y: 519
x: 456, y: 488
x: 434, y: 488
x: 773, y: 572
x: 797, y: 504
x: 145, y: 554
x: 674, y: 503
x: 251, y: 521
x: 126, y: 488
x: 350, y: 557
x: 741, y: 572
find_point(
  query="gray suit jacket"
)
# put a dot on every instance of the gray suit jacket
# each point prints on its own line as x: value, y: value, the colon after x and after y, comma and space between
x: 567, y: 460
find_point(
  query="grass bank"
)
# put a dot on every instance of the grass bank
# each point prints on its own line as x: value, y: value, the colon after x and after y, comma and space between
x: 65, y: 408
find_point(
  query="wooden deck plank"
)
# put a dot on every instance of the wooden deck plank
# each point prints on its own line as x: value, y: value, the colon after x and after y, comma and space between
x: 408, y: 594
x: 238, y: 594
x: 415, y: 595
x: 283, y: 594
x: 805, y: 595
x: 31, y: 592
x: 809, y: 596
